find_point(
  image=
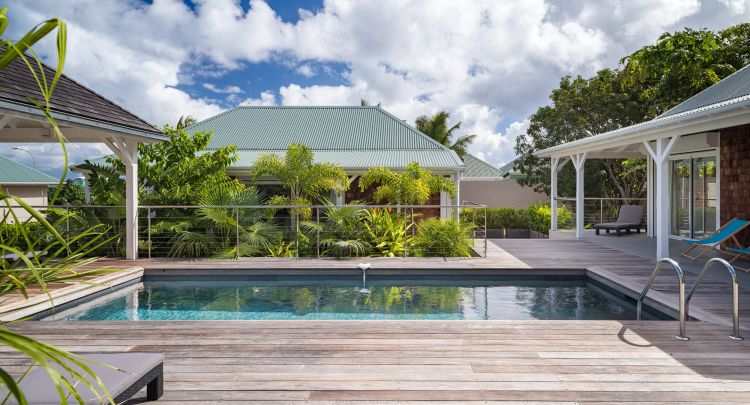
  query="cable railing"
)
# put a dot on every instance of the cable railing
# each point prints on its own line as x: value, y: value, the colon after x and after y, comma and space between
x: 597, y: 210
x: 291, y: 231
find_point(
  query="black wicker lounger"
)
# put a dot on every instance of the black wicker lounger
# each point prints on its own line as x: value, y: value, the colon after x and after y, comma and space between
x: 136, y: 370
x: 629, y: 218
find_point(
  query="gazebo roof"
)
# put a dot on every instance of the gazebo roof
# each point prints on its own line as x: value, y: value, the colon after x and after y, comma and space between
x: 73, y: 106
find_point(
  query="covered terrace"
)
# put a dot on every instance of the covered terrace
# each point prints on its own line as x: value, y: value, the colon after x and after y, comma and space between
x: 696, y: 162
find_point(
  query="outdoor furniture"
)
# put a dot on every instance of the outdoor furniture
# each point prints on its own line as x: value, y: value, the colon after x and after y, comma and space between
x: 134, y: 371
x: 630, y: 217
x: 716, y: 239
x: 739, y: 252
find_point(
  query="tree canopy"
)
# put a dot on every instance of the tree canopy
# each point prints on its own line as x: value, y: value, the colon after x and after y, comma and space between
x: 174, y: 172
x: 649, y: 82
x: 437, y: 128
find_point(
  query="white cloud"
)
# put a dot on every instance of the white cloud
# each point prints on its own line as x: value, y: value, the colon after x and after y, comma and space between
x: 306, y: 70
x: 267, y: 98
x: 222, y: 90
x: 486, y: 62
x: 737, y: 6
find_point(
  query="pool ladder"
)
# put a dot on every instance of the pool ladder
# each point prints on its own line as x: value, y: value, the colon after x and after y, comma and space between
x: 684, y: 300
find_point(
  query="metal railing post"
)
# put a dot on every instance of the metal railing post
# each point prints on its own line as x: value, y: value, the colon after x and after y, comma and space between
x: 67, y: 222
x: 148, y: 230
x: 485, y: 232
x: 681, y: 282
x: 405, y: 247
x: 735, y: 295
x: 237, y: 231
x: 317, y: 231
x: 601, y: 210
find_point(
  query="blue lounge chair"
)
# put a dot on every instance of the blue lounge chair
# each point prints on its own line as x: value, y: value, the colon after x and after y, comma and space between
x: 716, y: 239
x: 739, y: 252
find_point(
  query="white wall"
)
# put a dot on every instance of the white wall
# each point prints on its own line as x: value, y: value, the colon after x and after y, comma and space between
x: 34, y: 195
x: 497, y: 193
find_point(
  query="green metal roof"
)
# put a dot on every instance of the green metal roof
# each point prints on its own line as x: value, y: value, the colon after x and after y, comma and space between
x: 12, y: 172
x: 353, y: 137
x: 731, y: 87
x: 476, y: 167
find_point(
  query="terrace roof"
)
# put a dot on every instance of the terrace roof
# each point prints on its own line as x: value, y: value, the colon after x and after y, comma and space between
x: 722, y: 105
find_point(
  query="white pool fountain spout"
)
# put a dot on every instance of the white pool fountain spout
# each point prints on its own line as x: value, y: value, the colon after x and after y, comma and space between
x: 364, y: 267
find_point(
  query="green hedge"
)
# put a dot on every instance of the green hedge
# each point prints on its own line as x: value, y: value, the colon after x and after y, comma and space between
x: 536, y: 217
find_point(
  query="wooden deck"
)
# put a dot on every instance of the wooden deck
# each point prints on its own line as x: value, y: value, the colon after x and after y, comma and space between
x: 337, y: 362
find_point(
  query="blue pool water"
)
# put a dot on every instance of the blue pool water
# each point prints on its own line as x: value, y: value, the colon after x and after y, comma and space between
x: 345, y: 298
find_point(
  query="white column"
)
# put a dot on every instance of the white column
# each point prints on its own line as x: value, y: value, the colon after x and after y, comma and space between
x: 553, y: 193
x: 555, y: 167
x: 444, y: 202
x: 660, y: 153
x: 128, y: 153
x: 578, y: 162
x: 649, y: 196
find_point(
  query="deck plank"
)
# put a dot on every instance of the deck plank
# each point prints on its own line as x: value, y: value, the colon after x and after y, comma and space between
x: 332, y: 362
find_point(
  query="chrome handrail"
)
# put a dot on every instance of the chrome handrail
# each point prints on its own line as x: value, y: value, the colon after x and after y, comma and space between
x: 735, y: 295
x: 680, y: 280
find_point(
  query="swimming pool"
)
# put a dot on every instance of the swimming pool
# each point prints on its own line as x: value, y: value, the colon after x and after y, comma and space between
x: 336, y: 298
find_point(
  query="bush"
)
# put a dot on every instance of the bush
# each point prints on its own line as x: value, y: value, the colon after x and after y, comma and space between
x: 536, y: 217
x: 443, y: 237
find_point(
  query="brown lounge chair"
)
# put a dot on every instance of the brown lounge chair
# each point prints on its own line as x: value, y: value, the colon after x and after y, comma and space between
x: 134, y: 371
x: 630, y: 217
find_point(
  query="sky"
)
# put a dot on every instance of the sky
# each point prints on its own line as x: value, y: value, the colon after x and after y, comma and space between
x: 490, y: 63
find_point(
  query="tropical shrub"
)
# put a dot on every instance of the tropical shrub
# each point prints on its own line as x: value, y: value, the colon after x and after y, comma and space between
x: 223, y: 232
x: 342, y: 234
x: 443, y: 237
x: 388, y: 232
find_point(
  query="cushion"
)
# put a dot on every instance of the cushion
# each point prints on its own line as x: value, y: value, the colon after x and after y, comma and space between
x: 131, y: 366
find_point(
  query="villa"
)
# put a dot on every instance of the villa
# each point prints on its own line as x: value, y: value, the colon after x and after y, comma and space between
x: 355, y: 138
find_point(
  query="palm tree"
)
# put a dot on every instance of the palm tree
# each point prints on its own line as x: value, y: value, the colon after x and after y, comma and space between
x: 223, y: 232
x: 307, y: 181
x: 436, y: 127
x: 185, y: 121
x: 414, y: 185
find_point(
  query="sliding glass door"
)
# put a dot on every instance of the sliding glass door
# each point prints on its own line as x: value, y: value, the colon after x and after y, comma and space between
x: 694, y: 193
